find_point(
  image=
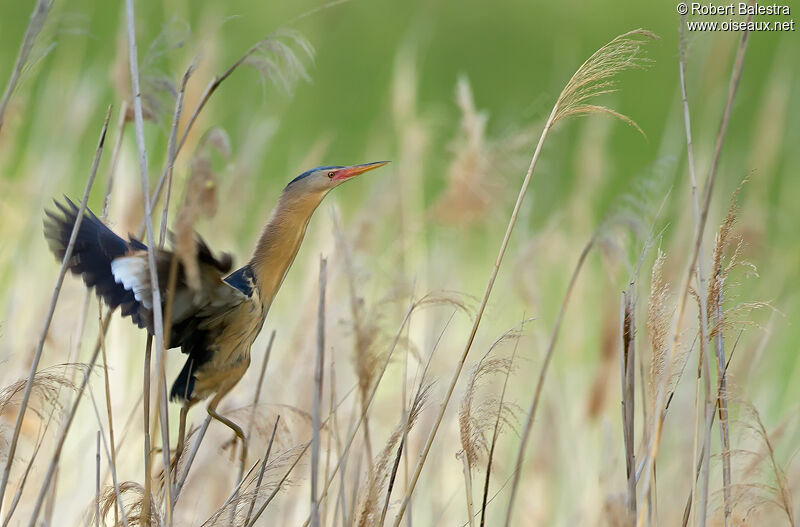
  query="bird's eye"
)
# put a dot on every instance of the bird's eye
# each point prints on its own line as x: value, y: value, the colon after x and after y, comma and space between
x: 331, y: 174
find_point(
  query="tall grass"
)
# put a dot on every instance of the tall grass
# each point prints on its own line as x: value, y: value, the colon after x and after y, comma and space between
x: 353, y: 422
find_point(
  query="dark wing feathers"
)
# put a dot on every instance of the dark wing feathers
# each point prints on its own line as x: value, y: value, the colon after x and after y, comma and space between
x: 99, y: 253
x: 95, y: 248
x: 118, y: 270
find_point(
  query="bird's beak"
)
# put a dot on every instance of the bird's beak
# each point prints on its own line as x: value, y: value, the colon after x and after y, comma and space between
x: 352, y: 171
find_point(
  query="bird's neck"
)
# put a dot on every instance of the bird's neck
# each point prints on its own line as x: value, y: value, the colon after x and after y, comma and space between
x: 280, y: 241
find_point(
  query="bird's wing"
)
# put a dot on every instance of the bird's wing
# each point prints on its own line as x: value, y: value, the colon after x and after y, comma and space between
x: 118, y: 270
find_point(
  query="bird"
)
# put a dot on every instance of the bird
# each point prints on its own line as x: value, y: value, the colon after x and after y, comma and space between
x: 215, y: 318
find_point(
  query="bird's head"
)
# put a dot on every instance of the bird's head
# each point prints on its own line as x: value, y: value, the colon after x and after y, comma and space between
x: 320, y: 180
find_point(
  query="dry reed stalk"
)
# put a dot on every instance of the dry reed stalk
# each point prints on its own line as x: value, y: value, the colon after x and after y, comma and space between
x: 715, y: 312
x: 231, y: 497
x: 271, y: 44
x: 319, y: 373
x: 256, y: 397
x: 476, y: 417
x: 403, y: 448
x: 72, y: 358
x: 263, y: 466
x: 627, y: 377
x: 300, y: 453
x: 496, y: 433
x: 109, y: 411
x: 655, y: 437
x: 338, y: 440
x: 425, y: 301
x: 112, y: 166
x: 474, y: 330
x: 282, y: 50
x: 657, y: 323
x: 148, y: 474
x: 709, y: 424
x: 35, y: 25
x: 190, y: 459
x: 43, y: 490
x: 371, y: 513
x: 134, y: 511
x: 158, y: 329
x: 200, y: 199
x: 329, y: 438
x: 97, y: 484
x: 700, y: 276
x: 261, y: 376
x: 171, y: 153
x: 108, y: 455
x: 590, y: 80
x: 48, y: 387
x: 542, y: 374
x: 784, y: 493
x: 37, y: 355
x: 360, y: 420
x: 392, y: 476
x: 402, y: 451
x: 364, y: 333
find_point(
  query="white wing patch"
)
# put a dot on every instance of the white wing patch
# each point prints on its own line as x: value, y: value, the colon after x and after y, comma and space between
x: 134, y: 275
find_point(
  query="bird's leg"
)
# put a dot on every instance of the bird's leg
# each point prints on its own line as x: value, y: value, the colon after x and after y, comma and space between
x: 181, y: 432
x: 212, y: 411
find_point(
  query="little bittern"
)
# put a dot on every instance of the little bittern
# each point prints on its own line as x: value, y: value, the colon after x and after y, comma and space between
x: 216, y: 324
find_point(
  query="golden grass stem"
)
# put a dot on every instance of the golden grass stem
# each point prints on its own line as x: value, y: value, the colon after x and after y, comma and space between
x: 112, y: 165
x: 171, y: 153
x: 329, y: 438
x: 148, y: 475
x: 319, y: 373
x: 722, y: 403
x: 35, y: 25
x: 700, y: 274
x: 726, y: 464
x: 334, y: 416
x: 697, y: 457
x: 72, y: 358
x: 263, y: 466
x: 628, y: 362
x: 97, y: 484
x: 655, y: 439
x: 256, y: 398
x: 278, y: 485
x: 465, y: 469
x: 189, y: 460
x: 108, y: 456
x: 109, y: 411
x: 59, y: 445
x: 526, y: 430
x: 709, y: 424
x: 478, y: 316
x: 261, y: 376
x: 420, y: 395
x: 37, y: 355
x: 392, y: 476
x: 158, y: 329
x: 232, y: 495
x: 360, y: 420
x: 27, y: 472
x: 496, y: 433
